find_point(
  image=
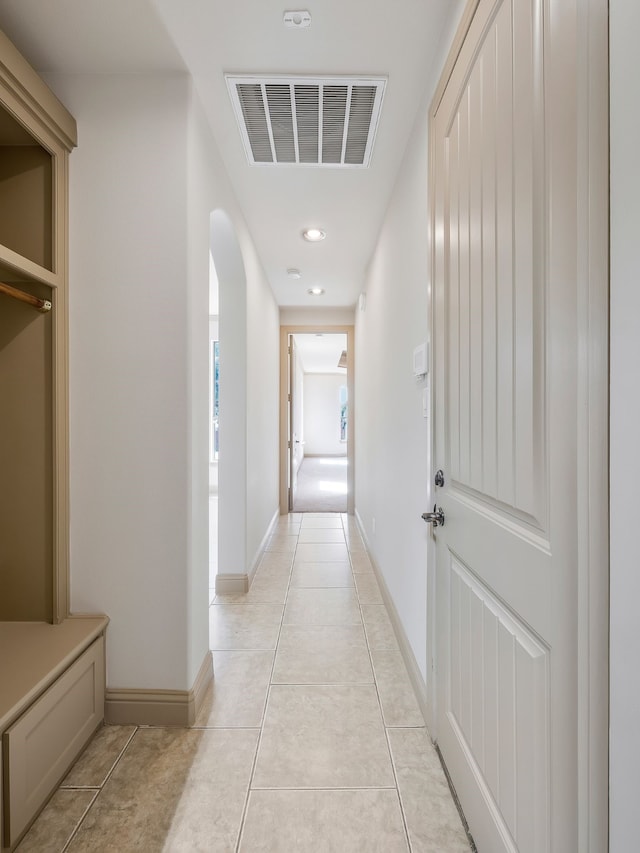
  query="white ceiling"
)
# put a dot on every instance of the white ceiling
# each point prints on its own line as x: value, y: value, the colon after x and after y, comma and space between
x: 398, y: 39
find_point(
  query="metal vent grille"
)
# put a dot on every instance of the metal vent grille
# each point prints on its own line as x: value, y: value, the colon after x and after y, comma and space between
x: 307, y: 120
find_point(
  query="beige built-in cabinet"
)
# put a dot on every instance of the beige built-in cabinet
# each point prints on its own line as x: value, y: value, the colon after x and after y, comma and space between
x: 51, y: 663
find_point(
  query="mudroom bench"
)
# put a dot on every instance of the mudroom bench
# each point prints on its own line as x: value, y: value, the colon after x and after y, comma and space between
x: 52, y: 682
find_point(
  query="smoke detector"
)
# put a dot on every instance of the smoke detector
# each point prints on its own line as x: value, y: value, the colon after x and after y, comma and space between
x: 297, y: 20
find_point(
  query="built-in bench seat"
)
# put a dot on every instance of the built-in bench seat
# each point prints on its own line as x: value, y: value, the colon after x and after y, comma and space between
x: 52, y: 682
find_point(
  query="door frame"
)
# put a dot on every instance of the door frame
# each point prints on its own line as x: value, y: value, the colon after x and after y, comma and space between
x: 592, y: 111
x: 285, y: 331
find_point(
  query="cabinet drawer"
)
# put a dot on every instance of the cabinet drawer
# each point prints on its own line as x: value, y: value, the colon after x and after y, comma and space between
x: 42, y: 744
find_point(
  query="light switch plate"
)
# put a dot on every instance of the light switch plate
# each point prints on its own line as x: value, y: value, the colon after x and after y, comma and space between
x: 421, y: 360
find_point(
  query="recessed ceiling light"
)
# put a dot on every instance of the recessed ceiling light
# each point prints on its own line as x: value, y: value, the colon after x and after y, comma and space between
x: 315, y: 291
x: 292, y: 272
x: 313, y: 235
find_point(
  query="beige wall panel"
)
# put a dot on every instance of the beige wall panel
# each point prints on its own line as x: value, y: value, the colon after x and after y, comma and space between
x: 26, y: 203
x: 26, y: 461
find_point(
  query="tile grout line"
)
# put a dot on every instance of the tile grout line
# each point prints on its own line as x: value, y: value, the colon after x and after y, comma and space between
x: 271, y: 685
x: 327, y: 683
x: 399, y: 795
x: 100, y: 788
x: 259, y: 731
x: 223, y: 728
x: 118, y: 759
x: 81, y: 821
x: 320, y: 788
x: 266, y: 705
x: 384, y: 725
x: 77, y: 788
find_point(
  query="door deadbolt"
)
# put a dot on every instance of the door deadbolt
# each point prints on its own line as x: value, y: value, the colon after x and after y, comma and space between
x: 436, y: 517
x: 439, y: 478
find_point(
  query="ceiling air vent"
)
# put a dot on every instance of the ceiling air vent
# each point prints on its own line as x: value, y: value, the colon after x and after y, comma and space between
x: 307, y: 121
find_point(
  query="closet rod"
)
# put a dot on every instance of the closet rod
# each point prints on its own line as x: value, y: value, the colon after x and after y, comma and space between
x: 43, y: 305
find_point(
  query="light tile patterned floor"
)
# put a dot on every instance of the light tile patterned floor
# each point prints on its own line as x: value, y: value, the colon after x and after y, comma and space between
x: 310, y: 740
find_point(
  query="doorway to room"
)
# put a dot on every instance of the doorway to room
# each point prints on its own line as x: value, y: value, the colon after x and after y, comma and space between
x: 316, y: 419
x: 227, y: 399
x: 319, y: 422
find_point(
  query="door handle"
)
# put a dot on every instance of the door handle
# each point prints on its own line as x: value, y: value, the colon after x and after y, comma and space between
x: 436, y: 517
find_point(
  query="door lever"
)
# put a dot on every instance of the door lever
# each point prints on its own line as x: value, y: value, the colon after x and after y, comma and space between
x: 436, y: 517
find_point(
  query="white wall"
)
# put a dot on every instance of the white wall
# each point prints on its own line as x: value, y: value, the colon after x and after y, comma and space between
x: 249, y: 358
x: 201, y: 183
x: 392, y: 436
x: 144, y: 180
x: 625, y: 416
x: 322, y: 414
x: 129, y: 396
x: 316, y: 316
x: 232, y: 461
x: 263, y: 384
x: 249, y: 371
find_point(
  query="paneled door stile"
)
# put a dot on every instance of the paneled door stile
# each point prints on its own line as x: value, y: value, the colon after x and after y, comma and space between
x: 506, y: 330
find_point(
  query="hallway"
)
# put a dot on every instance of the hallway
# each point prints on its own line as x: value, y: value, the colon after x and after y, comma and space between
x: 312, y: 739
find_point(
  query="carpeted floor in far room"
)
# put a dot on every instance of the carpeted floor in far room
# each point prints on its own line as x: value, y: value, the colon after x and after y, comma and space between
x: 322, y: 484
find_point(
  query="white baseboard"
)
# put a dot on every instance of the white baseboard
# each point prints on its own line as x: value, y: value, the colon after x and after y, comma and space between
x: 232, y: 584
x: 415, y: 676
x: 131, y: 707
x: 263, y: 546
x: 238, y: 584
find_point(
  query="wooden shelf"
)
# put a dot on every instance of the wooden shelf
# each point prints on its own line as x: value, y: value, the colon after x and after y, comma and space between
x: 15, y: 269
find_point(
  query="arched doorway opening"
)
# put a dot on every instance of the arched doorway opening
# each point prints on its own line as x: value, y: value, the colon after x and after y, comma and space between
x: 227, y: 407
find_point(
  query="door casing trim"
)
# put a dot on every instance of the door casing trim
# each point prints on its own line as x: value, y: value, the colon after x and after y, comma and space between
x: 285, y: 331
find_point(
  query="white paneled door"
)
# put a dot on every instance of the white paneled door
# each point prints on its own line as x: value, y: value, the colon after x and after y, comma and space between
x: 506, y: 326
